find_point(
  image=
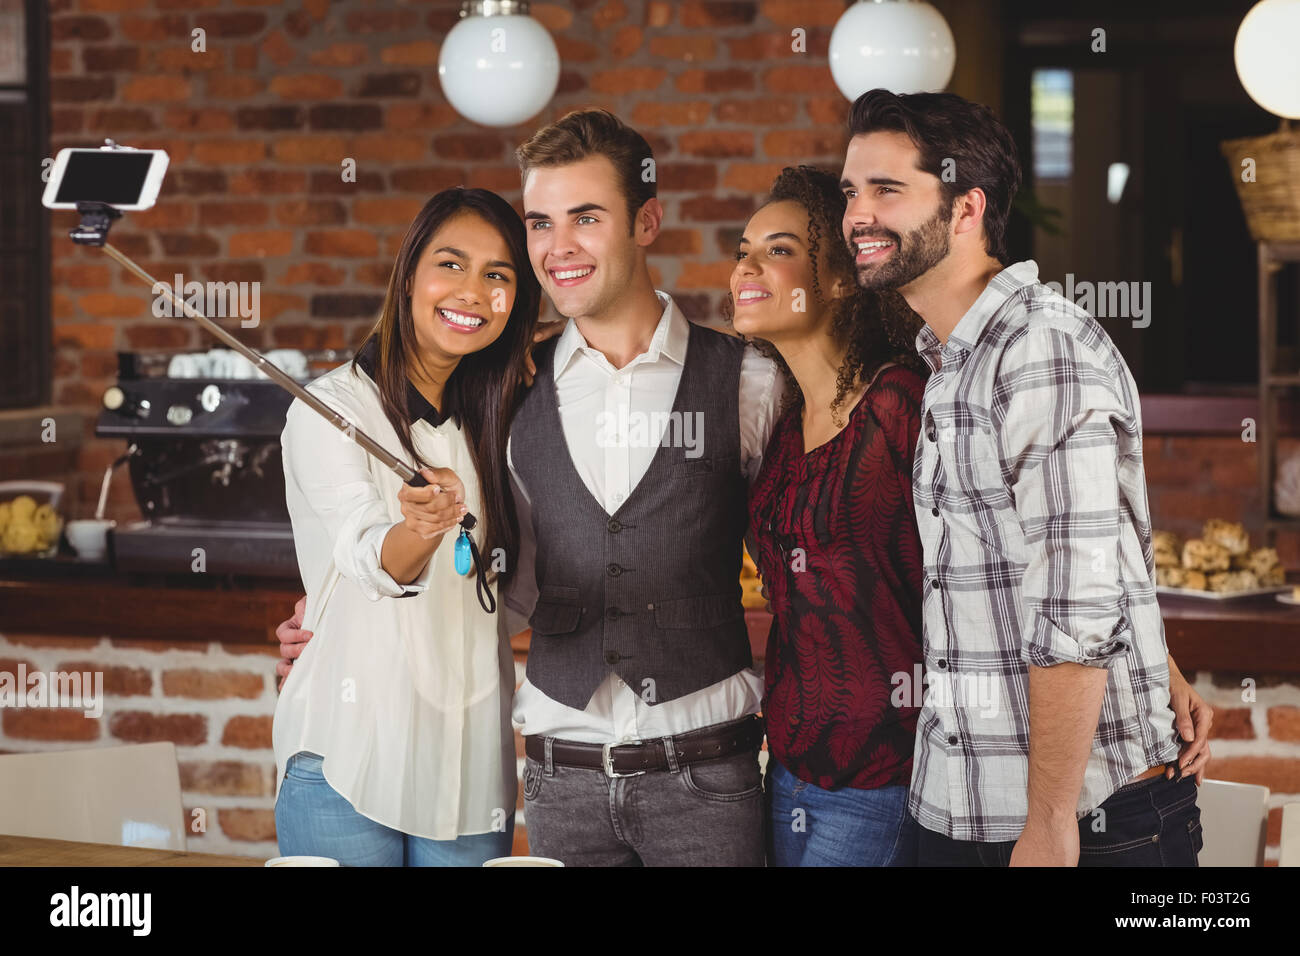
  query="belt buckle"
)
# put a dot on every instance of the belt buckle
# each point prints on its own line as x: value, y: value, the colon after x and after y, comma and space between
x: 607, y: 759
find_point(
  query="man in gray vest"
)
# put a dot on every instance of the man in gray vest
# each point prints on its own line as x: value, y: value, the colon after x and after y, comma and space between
x: 630, y: 458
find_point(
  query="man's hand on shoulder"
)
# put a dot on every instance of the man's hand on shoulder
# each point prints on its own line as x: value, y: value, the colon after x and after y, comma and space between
x: 292, y: 640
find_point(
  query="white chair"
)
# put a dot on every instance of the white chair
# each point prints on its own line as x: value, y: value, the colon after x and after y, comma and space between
x: 127, y: 796
x: 1290, y: 855
x: 1234, y: 823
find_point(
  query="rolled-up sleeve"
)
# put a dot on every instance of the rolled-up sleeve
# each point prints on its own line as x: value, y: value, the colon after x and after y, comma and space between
x: 1054, y: 411
x: 331, y: 476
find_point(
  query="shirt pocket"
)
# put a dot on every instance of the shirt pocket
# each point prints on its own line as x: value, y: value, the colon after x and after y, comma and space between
x: 973, y: 463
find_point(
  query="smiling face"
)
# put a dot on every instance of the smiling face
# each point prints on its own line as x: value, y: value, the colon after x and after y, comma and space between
x: 772, y: 284
x: 897, y: 222
x: 463, y: 288
x: 580, y: 242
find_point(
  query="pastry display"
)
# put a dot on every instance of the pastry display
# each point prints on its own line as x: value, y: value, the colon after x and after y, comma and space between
x: 1221, y: 561
x: 28, y: 528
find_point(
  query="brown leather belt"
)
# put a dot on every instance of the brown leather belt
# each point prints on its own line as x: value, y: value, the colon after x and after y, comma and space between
x: 637, y: 757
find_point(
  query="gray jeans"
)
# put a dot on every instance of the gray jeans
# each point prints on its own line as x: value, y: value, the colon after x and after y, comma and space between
x: 706, y: 814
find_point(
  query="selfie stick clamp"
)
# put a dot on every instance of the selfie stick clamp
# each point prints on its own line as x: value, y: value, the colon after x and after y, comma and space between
x: 96, y: 220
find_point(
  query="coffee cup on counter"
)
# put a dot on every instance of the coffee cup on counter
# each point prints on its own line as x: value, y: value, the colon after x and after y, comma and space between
x: 89, y: 537
x: 302, y: 861
x: 523, y: 861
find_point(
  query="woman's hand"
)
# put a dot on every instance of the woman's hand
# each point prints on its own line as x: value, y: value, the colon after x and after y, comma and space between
x: 437, y: 507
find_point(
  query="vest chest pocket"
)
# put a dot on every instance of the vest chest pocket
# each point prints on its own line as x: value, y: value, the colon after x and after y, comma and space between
x: 709, y: 610
x: 558, y: 610
x: 693, y: 468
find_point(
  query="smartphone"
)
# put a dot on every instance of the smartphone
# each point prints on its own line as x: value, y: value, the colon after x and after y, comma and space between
x: 120, y: 177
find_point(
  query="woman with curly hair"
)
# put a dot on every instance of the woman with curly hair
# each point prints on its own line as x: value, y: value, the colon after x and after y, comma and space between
x: 837, y: 544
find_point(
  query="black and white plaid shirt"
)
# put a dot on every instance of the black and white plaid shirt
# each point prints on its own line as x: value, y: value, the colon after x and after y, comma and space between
x: 1032, y: 507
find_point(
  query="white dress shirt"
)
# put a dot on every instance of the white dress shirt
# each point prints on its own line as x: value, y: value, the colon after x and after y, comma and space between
x: 592, y: 394
x: 405, y: 697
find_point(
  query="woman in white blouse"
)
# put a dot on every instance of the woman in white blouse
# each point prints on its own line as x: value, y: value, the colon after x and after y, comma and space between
x: 393, y: 729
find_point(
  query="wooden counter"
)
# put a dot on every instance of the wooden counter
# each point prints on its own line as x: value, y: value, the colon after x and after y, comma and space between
x: 69, y: 598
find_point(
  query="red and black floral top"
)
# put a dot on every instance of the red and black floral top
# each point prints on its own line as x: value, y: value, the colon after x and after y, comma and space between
x: 840, y: 557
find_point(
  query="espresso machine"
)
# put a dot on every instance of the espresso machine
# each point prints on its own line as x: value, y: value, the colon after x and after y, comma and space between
x: 203, y: 455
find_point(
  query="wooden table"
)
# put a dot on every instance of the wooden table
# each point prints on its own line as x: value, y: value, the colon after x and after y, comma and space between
x: 37, y: 851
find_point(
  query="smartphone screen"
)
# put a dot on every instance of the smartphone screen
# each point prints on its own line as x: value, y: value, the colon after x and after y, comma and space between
x: 104, y: 176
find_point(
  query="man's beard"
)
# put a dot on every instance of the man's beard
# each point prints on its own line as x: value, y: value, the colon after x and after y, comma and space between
x: 914, y: 255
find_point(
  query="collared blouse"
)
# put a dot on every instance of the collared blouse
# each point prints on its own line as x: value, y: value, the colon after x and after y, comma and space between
x: 403, y: 689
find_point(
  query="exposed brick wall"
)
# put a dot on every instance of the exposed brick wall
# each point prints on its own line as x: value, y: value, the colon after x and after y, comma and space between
x: 1194, y: 477
x: 258, y: 125
x: 213, y: 701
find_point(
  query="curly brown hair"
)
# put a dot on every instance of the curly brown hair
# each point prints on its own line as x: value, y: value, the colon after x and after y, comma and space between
x: 874, y: 327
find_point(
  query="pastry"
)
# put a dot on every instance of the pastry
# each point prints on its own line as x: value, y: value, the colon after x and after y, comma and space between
x: 1262, y: 560
x: 1274, y: 576
x: 1230, y: 535
x: 1166, y: 539
x: 1233, y: 581
x: 1180, y: 578
x: 1205, y: 556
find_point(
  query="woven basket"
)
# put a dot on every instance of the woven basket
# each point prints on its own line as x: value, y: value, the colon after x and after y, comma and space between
x: 1272, y: 202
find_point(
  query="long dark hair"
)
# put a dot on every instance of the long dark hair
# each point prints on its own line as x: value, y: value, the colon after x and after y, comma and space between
x: 486, y: 387
x: 874, y: 327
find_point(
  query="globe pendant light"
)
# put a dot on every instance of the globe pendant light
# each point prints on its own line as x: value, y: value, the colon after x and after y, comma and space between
x: 1266, y: 55
x: 498, y: 66
x: 900, y: 45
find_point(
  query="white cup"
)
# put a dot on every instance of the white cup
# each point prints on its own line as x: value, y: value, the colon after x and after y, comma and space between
x: 523, y: 861
x: 89, y: 537
x: 302, y: 861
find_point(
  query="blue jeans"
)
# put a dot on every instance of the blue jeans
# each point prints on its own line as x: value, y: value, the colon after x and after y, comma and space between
x: 1153, y: 822
x: 846, y: 827
x: 314, y: 819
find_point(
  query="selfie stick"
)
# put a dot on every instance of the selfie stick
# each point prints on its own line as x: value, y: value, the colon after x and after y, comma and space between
x: 97, y: 218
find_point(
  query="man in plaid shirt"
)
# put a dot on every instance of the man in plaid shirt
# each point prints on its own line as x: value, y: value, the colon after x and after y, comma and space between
x: 1047, y: 734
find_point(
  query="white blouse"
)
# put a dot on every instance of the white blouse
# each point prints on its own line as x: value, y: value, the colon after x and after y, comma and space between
x: 404, y: 690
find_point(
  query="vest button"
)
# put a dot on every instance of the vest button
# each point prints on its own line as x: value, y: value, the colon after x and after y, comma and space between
x: 611, y: 657
x: 614, y: 526
x: 614, y: 570
x: 612, y: 614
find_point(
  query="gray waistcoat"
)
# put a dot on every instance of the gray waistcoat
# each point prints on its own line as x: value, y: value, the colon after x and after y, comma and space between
x: 652, y: 591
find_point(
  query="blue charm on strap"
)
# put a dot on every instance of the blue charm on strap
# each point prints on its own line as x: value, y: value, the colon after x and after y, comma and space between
x: 464, y: 561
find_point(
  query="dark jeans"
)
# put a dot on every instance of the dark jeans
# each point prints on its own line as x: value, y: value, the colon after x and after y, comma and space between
x: 1152, y: 822
x: 706, y: 814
